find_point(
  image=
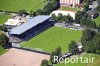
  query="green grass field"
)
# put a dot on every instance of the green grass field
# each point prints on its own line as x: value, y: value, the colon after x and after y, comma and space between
x: 52, y: 38
x: 69, y: 8
x: 2, y: 50
x: 95, y: 63
x: 15, y: 5
x: 4, y: 18
x: 97, y: 20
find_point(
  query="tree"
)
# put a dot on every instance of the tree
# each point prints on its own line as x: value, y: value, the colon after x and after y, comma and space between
x: 86, y: 7
x: 98, y: 8
x: 73, y: 47
x: 56, y: 52
x: 79, y: 15
x: 93, y: 46
x: 3, y: 28
x: 87, y: 35
x: 91, y: 41
x: 60, y: 17
x: 98, y: 52
x: 90, y: 23
x: 69, y: 19
x: 3, y: 39
x: 32, y: 13
x: 54, y: 17
x: 98, y: 28
x: 22, y: 12
x: 96, y: 42
x: 51, y: 6
x: 98, y: 1
x: 83, y: 20
x: 44, y: 62
x: 52, y: 57
x: 89, y: 47
x: 39, y: 12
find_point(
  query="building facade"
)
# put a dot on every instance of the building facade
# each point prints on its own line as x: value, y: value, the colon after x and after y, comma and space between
x: 71, y: 13
x: 70, y: 2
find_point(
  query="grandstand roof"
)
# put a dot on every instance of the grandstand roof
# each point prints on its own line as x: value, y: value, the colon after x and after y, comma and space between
x: 29, y: 24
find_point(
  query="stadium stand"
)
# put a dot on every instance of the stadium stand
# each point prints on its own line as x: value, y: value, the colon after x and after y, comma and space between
x: 31, y: 28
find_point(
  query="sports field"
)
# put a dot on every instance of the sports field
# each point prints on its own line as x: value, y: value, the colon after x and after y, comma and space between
x: 18, y: 57
x: 15, y: 5
x: 95, y: 63
x: 4, y: 18
x: 52, y: 38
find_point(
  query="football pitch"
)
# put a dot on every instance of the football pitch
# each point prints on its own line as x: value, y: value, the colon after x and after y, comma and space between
x: 53, y: 38
x: 15, y: 5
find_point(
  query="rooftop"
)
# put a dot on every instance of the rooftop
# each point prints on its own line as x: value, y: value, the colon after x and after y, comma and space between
x: 29, y: 24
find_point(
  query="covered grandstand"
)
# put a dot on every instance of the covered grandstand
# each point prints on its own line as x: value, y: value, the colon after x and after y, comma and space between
x: 31, y: 28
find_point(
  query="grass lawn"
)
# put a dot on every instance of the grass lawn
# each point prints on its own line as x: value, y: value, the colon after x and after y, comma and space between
x: 97, y: 20
x: 4, y: 18
x: 95, y: 63
x: 52, y: 38
x: 69, y: 8
x: 15, y: 5
x: 2, y: 50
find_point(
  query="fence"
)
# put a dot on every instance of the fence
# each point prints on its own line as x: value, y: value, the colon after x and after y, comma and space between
x: 32, y: 50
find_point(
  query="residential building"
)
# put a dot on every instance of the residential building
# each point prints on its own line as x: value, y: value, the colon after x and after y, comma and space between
x: 70, y: 2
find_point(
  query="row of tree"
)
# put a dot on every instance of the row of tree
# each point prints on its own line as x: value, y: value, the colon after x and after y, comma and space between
x: 3, y: 39
x: 3, y: 28
x: 73, y: 49
x: 56, y: 52
x: 46, y: 10
x: 62, y: 18
x: 83, y: 19
x: 91, y: 41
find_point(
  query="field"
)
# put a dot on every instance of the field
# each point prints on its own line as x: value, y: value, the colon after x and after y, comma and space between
x: 18, y: 57
x: 4, y: 18
x: 2, y: 50
x: 97, y: 20
x: 69, y: 8
x: 95, y: 63
x: 15, y: 5
x: 52, y: 38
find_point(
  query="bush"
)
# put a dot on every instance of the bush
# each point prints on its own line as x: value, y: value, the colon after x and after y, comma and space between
x: 1, y: 11
x: 44, y: 63
x: 98, y: 51
x: 3, y: 28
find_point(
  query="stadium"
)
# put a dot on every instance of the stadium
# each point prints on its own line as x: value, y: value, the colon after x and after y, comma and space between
x: 29, y: 29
